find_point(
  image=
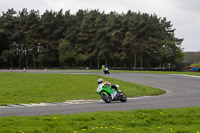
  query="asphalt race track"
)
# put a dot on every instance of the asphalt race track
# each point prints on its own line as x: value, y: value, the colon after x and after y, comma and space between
x: 182, y: 91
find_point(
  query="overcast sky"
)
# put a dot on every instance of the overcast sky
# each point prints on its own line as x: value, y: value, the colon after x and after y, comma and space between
x: 184, y: 14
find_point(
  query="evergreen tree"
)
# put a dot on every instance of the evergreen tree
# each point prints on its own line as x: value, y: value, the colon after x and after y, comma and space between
x: 87, y: 38
x: 8, y: 31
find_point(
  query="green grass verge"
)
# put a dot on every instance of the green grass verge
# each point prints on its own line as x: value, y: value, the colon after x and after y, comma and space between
x: 157, y: 72
x: 129, y: 71
x: 123, y: 71
x: 19, y: 88
x: 185, y: 120
x: 196, y: 64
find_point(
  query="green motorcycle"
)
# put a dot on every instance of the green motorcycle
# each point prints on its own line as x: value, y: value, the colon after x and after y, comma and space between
x: 111, y: 93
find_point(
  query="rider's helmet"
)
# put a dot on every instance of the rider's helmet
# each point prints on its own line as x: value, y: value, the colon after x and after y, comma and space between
x: 100, y: 81
x: 117, y: 86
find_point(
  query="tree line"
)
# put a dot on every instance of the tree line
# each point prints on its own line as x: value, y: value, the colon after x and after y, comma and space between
x: 193, y: 57
x: 88, y: 38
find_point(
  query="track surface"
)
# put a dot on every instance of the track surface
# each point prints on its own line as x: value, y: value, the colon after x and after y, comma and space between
x: 183, y: 91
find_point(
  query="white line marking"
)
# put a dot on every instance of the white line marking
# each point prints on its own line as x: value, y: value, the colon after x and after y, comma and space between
x: 51, y: 104
x: 64, y: 103
x: 185, y: 75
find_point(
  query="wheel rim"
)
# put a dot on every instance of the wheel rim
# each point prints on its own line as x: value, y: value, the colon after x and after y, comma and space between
x: 106, y: 98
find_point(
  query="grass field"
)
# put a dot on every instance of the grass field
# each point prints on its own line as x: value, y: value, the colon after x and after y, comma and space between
x: 118, y: 71
x: 196, y: 64
x: 130, y: 71
x: 135, y: 71
x: 158, y: 72
x: 185, y: 120
x: 17, y: 88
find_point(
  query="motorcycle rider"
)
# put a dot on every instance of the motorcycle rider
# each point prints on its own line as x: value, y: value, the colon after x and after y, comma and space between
x: 101, y: 83
x: 103, y: 68
x: 114, y: 94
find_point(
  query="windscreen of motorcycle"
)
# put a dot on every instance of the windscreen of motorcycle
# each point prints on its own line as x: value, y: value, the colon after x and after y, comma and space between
x: 99, y: 88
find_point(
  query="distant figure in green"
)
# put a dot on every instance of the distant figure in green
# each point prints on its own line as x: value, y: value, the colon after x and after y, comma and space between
x: 103, y: 68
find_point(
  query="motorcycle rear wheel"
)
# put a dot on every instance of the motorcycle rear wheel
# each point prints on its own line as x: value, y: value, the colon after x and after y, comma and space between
x: 107, y: 98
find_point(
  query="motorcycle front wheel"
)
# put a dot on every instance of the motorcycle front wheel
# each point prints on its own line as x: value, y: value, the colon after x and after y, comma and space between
x: 123, y: 97
x: 107, y: 98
